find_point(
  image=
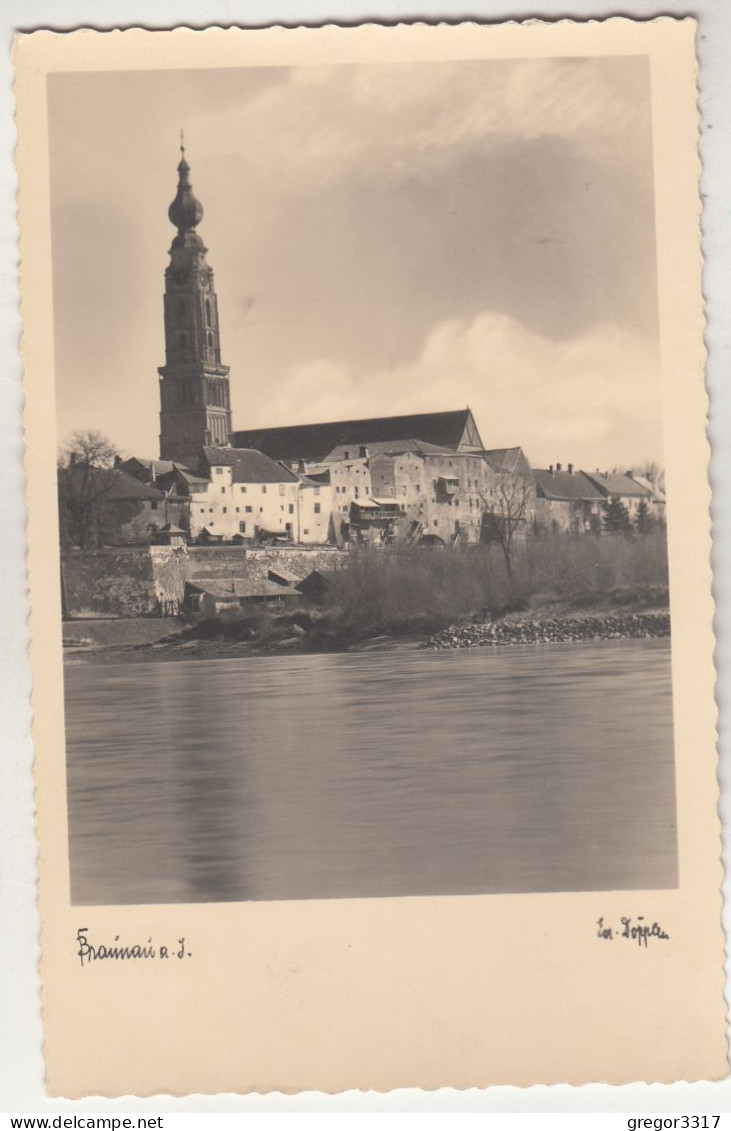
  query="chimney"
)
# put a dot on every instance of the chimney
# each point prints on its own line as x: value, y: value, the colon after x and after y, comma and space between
x: 630, y: 474
x: 558, y: 467
x: 301, y: 467
x: 550, y: 469
x: 363, y: 452
x: 570, y: 468
x: 117, y: 461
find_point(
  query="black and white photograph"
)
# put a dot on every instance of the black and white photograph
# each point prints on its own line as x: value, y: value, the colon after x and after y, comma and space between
x: 371, y: 620
x: 361, y: 492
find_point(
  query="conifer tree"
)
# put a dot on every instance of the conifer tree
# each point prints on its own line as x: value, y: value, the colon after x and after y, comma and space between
x: 643, y: 518
x: 616, y: 516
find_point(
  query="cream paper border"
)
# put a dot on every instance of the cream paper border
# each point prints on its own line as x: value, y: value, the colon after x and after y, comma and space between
x: 386, y: 993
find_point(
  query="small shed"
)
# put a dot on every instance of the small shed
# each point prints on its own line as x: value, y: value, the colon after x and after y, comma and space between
x: 316, y: 586
x: 211, y: 596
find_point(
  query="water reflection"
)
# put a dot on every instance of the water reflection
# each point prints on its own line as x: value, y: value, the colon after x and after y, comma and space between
x: 404, y: 773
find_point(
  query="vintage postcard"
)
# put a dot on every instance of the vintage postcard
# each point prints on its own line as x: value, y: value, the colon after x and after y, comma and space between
x: 369, y: 557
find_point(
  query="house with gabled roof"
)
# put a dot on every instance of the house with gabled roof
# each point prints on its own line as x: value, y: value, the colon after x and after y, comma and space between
x: 622, y: 485
x: 567, y: 500
x: 244, y: 493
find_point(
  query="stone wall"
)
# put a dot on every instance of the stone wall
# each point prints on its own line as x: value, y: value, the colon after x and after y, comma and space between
x: 138, y: 581
x: 294, y: 558
x: 116, y: 581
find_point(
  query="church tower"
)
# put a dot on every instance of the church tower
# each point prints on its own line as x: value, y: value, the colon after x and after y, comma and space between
x: 195, y: 403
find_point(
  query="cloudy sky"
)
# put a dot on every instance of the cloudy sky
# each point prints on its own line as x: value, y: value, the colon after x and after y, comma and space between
x: 385, y: 239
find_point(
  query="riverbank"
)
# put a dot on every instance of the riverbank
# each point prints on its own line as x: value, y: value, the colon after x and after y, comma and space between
x: 287, y: 634
x: 551, y: 630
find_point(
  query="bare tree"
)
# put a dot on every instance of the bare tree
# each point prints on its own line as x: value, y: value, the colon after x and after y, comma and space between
x: 87, y: 477
x: 506, y: 511
x: 653, y: 472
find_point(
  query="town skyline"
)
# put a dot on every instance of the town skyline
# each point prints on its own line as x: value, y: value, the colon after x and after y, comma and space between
x: 361, y: 286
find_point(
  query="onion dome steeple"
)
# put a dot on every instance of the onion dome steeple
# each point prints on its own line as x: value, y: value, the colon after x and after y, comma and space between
x: 186, y: 211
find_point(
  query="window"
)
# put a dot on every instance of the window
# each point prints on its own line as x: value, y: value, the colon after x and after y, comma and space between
x: 305, y: 532
x: 263, y: 488
x: 435, y: 522
x: 208, y: 311
x: 219, y: 471
x: 247, y: 510
x: 153, y: 505
x: 261, y: 510
x: 203, y: 510
x: 357, y: 492
x: 225, y: 510
x: 223, y: 490
x: 418, y: 488
x: 317, y: 490
x: 282, y: 509
x: 242, y: 528
x: 237, y: 510
x: 346, y: 455
x: 291, y: 508
x: 210, y: 510
x: 281, y: 488
x: 243, y: 489
x: 317, y: 508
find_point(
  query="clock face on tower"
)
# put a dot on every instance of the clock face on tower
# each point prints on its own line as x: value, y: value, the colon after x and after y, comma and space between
x: 203, y: 276
x: 180, y: 275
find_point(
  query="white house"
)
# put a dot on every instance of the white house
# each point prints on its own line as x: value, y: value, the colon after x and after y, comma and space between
x: 246, y: 494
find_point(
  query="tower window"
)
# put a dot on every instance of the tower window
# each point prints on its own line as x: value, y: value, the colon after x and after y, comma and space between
x: 210, y: 339
x: 208, y: 311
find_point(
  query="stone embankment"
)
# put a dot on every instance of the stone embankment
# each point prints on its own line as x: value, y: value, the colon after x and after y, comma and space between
x: 556, y: 630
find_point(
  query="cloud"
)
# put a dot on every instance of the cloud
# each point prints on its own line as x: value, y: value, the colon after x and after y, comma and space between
x: 593, y: 400
x: 323, y: 126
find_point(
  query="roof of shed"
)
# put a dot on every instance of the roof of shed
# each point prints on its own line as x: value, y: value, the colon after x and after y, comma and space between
x: 237, y: 587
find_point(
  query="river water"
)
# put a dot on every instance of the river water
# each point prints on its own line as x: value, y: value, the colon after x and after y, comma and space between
x: 403, y: 772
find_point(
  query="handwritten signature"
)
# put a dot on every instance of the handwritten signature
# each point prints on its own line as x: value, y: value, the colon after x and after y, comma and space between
x: 89, y: 952
x: 636, y: 930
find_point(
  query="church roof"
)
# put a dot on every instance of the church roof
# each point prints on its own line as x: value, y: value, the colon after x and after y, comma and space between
x: 186, y: 211
x: 387, y: 447
x: 248, y: 465
x: 314, y: 441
